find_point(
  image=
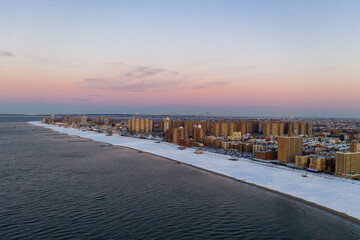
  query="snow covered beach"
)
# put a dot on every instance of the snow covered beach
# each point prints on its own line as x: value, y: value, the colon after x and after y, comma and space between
x: 337, y: 194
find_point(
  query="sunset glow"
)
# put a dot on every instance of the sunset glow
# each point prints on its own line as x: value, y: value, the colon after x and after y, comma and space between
x: 257, y: 58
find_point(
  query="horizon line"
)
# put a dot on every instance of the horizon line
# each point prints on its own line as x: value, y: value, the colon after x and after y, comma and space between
x: 169, y: 115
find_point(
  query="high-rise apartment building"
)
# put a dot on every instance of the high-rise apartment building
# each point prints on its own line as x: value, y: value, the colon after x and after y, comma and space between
x: 347, y: 162
x: 243, y: 127
x: 142, y: 125
x: 260, y: 127
x: 231, y: 128
x: 266, y: 129
x: 309, y: 128
x: 199, y: 134
x: 274, y: 128
x: 294, y: 127
x: 303, y: 128
x: 281, y: 129
x: 300, y: 128
x: 148, y: 125
x: 354, y: 147
x: 216, y: 129
x: 177, y: 134
x: 137, y: 125
x: 188, y: 128
x: 224, y: 129
x: 288, y: 148
x: 166, y: 124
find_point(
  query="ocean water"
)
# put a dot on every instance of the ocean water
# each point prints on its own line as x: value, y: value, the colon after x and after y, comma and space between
x: 55, y: 186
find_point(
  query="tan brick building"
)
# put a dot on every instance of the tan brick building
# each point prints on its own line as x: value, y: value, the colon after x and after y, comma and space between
x: 347, y: 162
x: 288, y: 148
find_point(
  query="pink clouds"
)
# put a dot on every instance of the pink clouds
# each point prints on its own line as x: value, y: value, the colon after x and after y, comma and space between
x: 155, y: 86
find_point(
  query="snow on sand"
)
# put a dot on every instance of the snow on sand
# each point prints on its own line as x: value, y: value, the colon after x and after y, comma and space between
x: 341, y: 195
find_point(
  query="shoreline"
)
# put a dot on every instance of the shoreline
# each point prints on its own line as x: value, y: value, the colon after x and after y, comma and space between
x: 337, y: 213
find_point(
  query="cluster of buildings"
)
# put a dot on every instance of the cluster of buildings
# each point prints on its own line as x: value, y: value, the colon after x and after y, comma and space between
x: 330, y: 146
x: 345, y: 163
x: 281, y: 128
x: 140, y: 125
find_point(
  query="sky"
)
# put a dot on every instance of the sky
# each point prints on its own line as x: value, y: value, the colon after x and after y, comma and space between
x: 237, y: 58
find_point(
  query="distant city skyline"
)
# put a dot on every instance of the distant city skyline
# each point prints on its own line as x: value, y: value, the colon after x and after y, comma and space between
x: 235, y: 58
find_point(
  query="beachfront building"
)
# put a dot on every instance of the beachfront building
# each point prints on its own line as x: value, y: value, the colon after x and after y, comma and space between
x: 185, y: 142
x: 140, y: 125
x: 317, y: 163
x: 177, y: 133
x: 265, y: 155
x: 347, y: 163
x: 302, y: 161
x: 288, y: 148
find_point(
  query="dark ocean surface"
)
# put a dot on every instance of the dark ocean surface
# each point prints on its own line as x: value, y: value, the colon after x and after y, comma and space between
x: 55, y: 186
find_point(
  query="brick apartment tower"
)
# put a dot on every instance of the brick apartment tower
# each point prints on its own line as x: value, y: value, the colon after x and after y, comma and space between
x: 289, y: 147
x: 348, y: 162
